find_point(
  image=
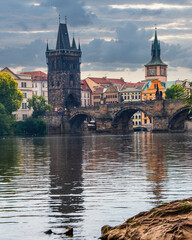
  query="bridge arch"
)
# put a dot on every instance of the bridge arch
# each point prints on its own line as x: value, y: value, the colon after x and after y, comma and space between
x: 76, y: 121
x: 177, y: 120
x: 121, y: 120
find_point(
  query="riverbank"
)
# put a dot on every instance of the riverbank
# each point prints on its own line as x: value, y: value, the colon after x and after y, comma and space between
x: 165, y: 222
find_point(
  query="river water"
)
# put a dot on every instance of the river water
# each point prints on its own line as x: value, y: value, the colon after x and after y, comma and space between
x: 88, y: 181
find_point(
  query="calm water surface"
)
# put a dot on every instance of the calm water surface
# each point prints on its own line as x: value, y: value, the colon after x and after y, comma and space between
x: 88, y: 181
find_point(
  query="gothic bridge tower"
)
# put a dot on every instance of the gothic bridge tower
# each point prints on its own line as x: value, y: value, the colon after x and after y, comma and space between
x: 156, y: 68
x: 64, y: 85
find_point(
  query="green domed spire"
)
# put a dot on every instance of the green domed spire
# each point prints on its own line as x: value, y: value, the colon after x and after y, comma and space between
x: 156, y: 52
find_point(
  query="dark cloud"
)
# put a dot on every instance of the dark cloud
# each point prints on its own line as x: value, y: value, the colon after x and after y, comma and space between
x: 93, y: 21
x: 32, y: 55
x: 131, y: 49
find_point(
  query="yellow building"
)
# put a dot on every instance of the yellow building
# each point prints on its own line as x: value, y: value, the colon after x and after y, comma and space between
x: 149, y: 92
x: 150, y: 89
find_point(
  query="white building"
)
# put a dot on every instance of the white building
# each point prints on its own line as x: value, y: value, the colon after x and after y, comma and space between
x: 85, y: 94
x: 39, y: 83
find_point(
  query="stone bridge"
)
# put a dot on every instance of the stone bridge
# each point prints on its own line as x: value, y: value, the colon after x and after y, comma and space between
x: 165, y: 115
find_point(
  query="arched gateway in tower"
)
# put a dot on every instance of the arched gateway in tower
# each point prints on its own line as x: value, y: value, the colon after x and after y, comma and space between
x: 64, y: 85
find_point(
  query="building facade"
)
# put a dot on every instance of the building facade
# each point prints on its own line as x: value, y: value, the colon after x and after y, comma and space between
x: 132, y: 92
x: 39, y: 83
x: 85, y: 94
x: 64, y: 85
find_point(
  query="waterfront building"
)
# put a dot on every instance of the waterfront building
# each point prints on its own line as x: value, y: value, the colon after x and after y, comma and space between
x: 131, y: 92
x: 150, y: 88
x: 149, y: 93
x: 156, y: 68
x: 25, y: 86
x: 94, y: 82
x: 64, y: 84
x: 110, y: 94
x: 85, y: 94
x: 107, y: 88
x: 39, y: 83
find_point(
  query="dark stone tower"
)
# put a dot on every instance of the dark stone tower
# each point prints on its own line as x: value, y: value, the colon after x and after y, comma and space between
x: 64, y: 86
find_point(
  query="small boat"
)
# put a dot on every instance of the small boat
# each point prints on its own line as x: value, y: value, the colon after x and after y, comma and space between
x: 91, y: 125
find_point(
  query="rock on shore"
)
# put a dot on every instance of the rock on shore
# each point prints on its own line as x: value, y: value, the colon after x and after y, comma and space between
x: 172, y: 221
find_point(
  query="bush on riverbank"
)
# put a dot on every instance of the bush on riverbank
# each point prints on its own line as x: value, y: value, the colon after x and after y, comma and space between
x: 30, y: 127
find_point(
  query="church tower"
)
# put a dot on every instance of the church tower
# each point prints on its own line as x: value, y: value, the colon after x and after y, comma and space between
x: 156, y: 68
x: 64, y: 85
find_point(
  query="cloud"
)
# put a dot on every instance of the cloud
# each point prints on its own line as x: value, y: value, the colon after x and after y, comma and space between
x: 32, y: 55
x: 131, y: 49
x: 74, y: 9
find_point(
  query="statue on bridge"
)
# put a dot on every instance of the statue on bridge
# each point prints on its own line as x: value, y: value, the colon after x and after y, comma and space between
x: 158, y: 94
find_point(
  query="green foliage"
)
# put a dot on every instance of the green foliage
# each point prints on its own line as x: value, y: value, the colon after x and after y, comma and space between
x: 6, y: 121
x: 39, y: 105
x: 175, y: 92
x: 10, y: 96
x: 188, y: 94
x: 31, y: 127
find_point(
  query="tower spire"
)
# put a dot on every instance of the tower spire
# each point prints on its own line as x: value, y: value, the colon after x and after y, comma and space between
x: 62, y: 37
x: 47, y: 49
x: 74, y: 47
x: 156, y: 51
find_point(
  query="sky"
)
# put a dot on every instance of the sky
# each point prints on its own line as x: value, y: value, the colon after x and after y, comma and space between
x: 115, y: 35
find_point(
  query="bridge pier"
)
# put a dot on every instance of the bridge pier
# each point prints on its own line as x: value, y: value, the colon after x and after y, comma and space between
x: 160, y: 124
x: 57, y: 123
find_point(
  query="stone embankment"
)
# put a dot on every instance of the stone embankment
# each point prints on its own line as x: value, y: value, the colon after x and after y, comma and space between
x: 171, y: 221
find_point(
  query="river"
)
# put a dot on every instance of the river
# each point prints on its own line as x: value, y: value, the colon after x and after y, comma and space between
x: 88, y: 181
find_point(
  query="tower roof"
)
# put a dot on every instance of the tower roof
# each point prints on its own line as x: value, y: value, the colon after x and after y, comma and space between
x: 74, y: 44
x: 156, y: 52
x: 63, y: 37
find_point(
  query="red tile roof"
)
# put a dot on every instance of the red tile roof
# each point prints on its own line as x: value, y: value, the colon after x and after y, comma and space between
x: 36, y: 75
x: 84, y: 86
x: 98, y: 90
x: 107, y: 80
x: 128, y: 84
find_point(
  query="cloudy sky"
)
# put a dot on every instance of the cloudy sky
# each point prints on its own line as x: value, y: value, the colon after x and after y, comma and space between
x: 115, y: 35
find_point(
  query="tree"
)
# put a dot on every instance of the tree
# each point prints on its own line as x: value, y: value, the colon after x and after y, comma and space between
x: 10, y: 96
x: 188, y: 94
x: 5, y: 121
x: 39, y: 105
x: 175, y: 92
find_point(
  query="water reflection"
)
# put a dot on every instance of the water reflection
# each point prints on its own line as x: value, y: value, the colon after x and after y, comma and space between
x: 155, y: 159
x: 88, y: 181
x: 66, y: 178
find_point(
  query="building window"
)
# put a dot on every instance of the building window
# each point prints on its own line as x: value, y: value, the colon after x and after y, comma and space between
x: 24, y: 116
x: 152, y: 72
x: 162, y: 72
x: 24, y: 105
x: 25, y: 95
x: 71, y: 80
x: 23, y: 84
